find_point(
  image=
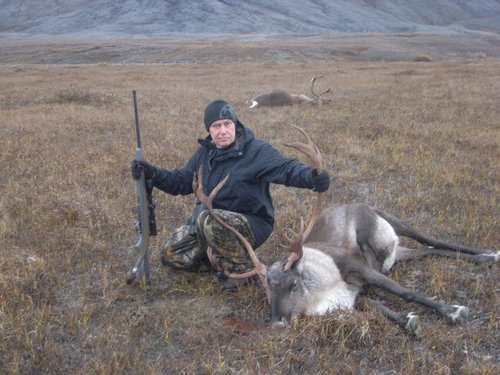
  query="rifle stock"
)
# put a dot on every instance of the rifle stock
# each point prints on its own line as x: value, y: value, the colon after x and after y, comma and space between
x: 145, y: 224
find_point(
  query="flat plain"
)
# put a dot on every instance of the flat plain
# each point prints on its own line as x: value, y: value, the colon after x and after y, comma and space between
x: 418, y: 139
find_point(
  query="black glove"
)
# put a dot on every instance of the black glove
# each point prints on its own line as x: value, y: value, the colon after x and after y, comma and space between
x: 141, y: 165
x: 321, y: 182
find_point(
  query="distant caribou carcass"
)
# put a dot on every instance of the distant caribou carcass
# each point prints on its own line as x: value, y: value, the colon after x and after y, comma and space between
x: 277, y: 97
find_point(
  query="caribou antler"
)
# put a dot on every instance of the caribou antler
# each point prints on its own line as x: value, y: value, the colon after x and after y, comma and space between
x: 317, y: 97
x: 312, y: 151
x: 260, y: 269
x: 295, y: 246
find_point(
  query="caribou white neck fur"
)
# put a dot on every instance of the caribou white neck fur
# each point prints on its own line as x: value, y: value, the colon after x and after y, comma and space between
x: 252, y: 103
x: 325, y: 288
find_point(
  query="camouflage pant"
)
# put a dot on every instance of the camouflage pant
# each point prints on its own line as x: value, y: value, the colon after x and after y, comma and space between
x: 189, y: 252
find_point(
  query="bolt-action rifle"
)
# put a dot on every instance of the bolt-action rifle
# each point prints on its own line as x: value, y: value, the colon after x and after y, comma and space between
x: 146, y: 223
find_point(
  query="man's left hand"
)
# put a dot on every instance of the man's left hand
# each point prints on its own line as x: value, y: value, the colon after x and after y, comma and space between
x: 321, y: 182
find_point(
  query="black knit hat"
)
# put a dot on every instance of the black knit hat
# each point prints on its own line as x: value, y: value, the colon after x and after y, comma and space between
x: 218, y: 110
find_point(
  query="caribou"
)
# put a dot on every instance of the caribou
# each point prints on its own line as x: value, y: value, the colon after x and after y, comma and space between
x: 343, y: 251
x: 277, y: 97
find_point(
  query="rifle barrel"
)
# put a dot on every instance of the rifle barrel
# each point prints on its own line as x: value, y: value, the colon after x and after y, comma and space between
x: 137, y: 124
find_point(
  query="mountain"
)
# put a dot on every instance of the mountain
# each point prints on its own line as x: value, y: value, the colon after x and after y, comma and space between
x: 212, y: 18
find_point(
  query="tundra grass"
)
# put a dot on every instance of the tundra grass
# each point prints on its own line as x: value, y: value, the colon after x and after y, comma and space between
x: 419, y: 140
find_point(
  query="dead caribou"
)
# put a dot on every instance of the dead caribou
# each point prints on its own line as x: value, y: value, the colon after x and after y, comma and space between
x: 276, y: 98
x: 344, y: 250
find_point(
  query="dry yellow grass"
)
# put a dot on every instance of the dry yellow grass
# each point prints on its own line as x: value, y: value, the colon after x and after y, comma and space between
x: 418, y: 140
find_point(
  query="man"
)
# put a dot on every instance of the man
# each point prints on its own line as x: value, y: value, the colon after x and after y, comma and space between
x: 244, y: 202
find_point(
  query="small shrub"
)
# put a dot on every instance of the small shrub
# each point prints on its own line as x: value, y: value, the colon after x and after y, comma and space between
x: 422, y: 58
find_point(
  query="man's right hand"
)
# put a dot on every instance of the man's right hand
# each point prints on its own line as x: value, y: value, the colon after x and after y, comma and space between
x: 142, y: 165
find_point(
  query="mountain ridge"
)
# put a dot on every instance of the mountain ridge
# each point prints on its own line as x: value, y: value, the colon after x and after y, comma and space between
x: 212, y: 18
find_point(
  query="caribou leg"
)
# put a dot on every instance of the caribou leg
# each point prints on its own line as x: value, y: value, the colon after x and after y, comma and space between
x: 452, y: 313
x: 404, y: 253
x: 403, y: 229
x: 408, y: 322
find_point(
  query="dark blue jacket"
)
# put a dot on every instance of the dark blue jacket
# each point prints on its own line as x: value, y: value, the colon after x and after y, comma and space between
x: 252, y: 165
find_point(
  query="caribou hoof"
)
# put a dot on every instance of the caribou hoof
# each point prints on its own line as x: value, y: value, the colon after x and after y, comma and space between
x: 412, y: 326
x: 457, y: 314
x: 283, y: 322
x: 494, y: 256
x: 486, y: 258
x: 279, y: 324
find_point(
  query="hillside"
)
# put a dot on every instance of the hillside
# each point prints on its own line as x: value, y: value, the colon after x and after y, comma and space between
x: 210, y: 18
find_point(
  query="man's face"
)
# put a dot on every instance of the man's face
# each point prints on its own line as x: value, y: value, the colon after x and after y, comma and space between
x: 223, y: 132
